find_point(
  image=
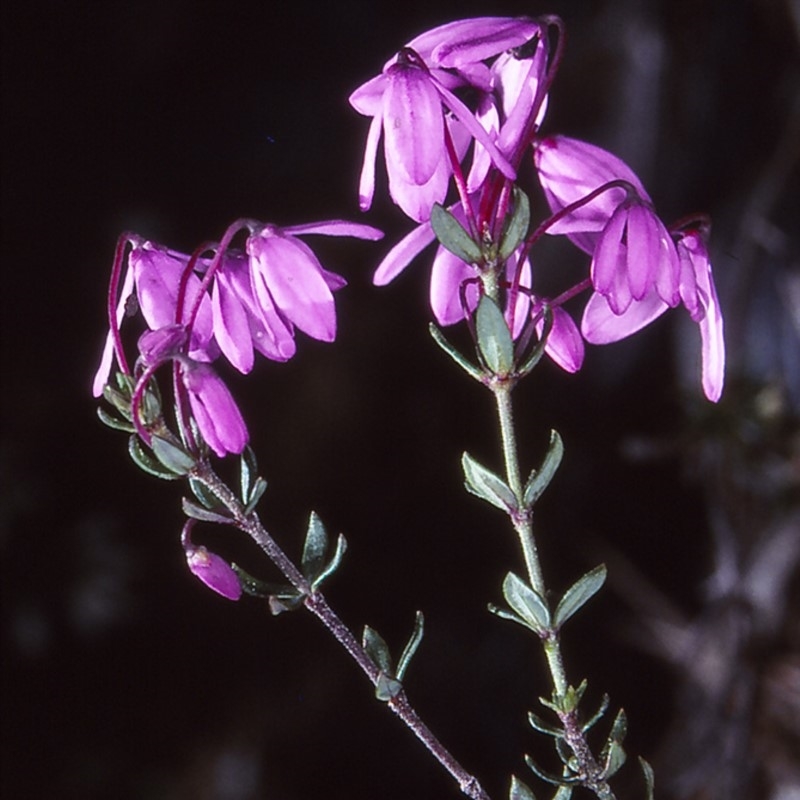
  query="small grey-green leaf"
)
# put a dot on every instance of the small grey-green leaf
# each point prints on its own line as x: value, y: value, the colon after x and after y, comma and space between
x: 146, y: 462
x: 563, y: 793
x: 649, y: 778
x: 377, y: 649
x: 315, y: 548
x: 614, y: 760
x: 597, y: 714
x: 114, y: 422
x: 203, y: 514
x: 505, y: 614
x: 537, y: 723
x: 462, y: 362
x: 333, y: 564
x: 248, y: 470
x: 540, y: 479
x: 537, y: 351
x: 518, y: 225
x: 526, y: 602
x: 259, y: 487
x: 453, y: 237
x: 494, y: 338
x: 411, y: 646
x: 578, y: 594
x: 619, y: 728
x: 204, y: 495
x: 258, y: 588
x: 520, y: 790
x: 485, y: 484
x: 387, y: 687
x: 172, y: 456
x: 549, y: 777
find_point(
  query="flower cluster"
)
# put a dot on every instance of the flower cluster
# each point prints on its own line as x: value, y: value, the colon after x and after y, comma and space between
x: 232, y: 303
x: 639, y: 266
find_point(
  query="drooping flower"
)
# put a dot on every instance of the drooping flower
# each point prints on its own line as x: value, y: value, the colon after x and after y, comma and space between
x: 213, y: 408
x: 214, y: 572
x: 407, y: 102
x: 244, y: 323
x: 602, y: 325
x: 568, y: 171
x: 286, y: 275
x: 153, y: 275
x: 633, y: 256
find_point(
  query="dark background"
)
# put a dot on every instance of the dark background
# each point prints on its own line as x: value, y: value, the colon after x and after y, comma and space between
x: 123, y: 677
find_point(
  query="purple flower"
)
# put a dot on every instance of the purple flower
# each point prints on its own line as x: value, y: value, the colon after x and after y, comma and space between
x: 407, y: 101
x: 154, y: 274
x: 602, y: 325
x: 214, y: 571
x: 287, y: 278
x: 569, y: 170
x: 243, y: 322
x: 214, y: 409
x: 634, y: 255
x: 564, y: 343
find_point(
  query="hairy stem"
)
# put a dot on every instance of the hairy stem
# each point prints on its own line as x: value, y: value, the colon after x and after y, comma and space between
x: 316, y: 603
x: 589, y: 769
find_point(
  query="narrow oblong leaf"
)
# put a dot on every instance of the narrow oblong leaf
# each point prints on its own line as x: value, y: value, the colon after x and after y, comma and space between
x: 146, y: 462
x: 526, y: 602
x: 614, y: 760
x: 333, y: 564
x: 537, y: 351
x: 258, y: 588
x: 597, y: 714
x: 520, y: 790
x: 205, y: 495
x: 462, y: 362
x: 453, y: 237
x: 537, y: 723
x: 172, y: 456
x: 518, y: 225
x: 494, y: 339
x: 259, y: 487
x: 315, y: 547
x: 549, y: 777
x: 387, y: 687
x: 114, y: 422
x: 649, y: 778
x: 248, y: 471
x: 411, y: 646
x: 203, y: 514
x: 505, y: 614
x: 578, y: 594
x: 377, y: 649
x: 540, y: 479
x: 563, y: 793
x: 612, y: 754
x: 483, y: 483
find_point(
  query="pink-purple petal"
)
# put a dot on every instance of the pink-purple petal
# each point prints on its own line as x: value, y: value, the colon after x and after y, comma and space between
x: 600, y: 325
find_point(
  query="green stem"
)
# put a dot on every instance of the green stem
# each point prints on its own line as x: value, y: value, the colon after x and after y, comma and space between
x: 573, y: 733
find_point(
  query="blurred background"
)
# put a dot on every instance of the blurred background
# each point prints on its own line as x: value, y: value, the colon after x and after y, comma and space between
x: 123, y: 677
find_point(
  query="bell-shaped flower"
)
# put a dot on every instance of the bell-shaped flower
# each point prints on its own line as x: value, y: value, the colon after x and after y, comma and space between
x: 458, y: 44
x: 407, y: 103
x: 214, y: 572
x: 213, y: 408
x: 602, y: 325
x: 287, y: 277
x: 568, y: 171
x: 634, y: 255
x: 242, y: 324
x: 154, y: 275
